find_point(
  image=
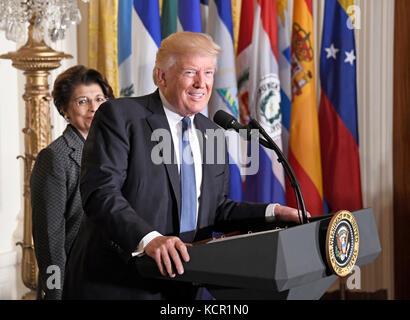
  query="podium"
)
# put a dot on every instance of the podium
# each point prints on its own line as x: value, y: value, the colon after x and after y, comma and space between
x: 286, y: 263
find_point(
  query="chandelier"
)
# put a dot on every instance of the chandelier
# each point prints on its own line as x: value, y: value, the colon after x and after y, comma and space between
x: 51, y: 16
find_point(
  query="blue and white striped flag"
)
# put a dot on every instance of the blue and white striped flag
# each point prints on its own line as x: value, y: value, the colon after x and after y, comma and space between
x: 189, y: 19
x: 225, y: 93
x: 189, y: 15
x: 268, y: 185
x: 139, y: 36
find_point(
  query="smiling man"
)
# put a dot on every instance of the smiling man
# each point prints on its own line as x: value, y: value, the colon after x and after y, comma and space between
x: 134, y: 206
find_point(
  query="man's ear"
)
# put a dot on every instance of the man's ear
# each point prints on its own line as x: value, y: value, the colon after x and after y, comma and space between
x: 161, y: 79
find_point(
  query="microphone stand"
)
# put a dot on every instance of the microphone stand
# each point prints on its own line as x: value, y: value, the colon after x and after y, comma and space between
x: 270, y: 144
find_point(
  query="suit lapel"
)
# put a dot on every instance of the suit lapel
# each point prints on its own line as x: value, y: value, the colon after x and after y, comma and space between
x: 158, y: 120
x: 75, y: 143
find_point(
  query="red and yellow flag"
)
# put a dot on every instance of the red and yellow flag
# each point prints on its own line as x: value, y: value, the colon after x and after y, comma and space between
x: 304, y: 145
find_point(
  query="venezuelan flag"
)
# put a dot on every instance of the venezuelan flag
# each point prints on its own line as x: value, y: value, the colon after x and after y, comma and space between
x: 338, y: 110
x: 304, y: 145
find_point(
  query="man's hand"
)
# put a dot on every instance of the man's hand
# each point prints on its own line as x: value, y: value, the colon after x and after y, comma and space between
x: 164, y: 250
x: 288, y: 214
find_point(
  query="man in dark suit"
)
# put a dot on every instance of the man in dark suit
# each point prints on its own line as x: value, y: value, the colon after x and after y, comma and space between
x: 135, y: 205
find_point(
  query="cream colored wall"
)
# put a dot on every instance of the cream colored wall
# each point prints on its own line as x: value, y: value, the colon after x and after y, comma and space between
x: 11, y: 173
x: 374, y: 43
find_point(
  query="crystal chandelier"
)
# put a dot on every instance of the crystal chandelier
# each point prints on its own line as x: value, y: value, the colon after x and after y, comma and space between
x: 51, y: 16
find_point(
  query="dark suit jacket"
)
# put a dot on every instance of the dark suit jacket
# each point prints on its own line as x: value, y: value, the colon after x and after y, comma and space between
x: 125, y: 196
x: 56, y: 205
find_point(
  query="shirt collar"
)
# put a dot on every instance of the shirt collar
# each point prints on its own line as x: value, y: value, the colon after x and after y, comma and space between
x: 173, y: 117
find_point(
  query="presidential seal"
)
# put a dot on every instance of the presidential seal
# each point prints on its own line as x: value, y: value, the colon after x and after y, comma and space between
x: 342, y: 243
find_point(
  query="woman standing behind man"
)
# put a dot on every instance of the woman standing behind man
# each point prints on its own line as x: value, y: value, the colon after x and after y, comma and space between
x: 55, y: 198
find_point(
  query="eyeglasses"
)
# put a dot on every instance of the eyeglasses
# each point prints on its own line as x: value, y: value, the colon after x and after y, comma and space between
x: 85, y: 102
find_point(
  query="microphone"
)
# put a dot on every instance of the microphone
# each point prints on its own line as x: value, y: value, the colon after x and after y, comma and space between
x: 227, y: 121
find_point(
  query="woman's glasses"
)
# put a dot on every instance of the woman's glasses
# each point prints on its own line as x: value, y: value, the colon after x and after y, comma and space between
x: 85, y: 102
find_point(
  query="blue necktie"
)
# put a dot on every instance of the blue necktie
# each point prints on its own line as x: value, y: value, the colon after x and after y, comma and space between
x: 188, y: 186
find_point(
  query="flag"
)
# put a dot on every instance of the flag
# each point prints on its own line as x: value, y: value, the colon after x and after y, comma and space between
x: 189, y: 19
x: 236, y: 15
x: 243, y: 58
x: 169, y: 17
x: 189, y: 15
x: 284, y: 70
x: 268, y: 184
x: 338, y: 110
x: 224, y: 95
x: 204, y: 14
x: 304, y: 144
x: 139, y: 28
x: 125, y: 74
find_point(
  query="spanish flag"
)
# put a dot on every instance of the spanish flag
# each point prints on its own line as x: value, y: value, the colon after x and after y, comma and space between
x: 304, y: 145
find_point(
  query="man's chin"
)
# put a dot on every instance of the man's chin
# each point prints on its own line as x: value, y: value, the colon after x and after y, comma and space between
x: 194, y: 109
